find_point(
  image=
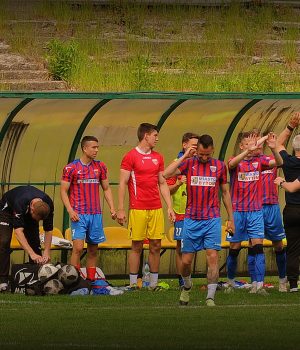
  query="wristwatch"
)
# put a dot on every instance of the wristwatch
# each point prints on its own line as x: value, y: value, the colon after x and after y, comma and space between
x: 281, y: 182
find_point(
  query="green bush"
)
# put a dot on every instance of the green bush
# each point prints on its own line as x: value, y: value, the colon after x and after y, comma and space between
x: 62, y: 58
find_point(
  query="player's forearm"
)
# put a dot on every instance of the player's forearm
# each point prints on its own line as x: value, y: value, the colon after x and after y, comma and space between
x: 170, y: 170
x: 48, y: 241
x: 278, y: 161
x: 65, y: 199
x: 174, y: 188
x: 236, y: 160
x: 121, y: 196
x: 23, y: 241
x: 164, y: 190
x: 291, y: 186
x: 228, y: 204
x: 109, y: 198
x: 283, y: 137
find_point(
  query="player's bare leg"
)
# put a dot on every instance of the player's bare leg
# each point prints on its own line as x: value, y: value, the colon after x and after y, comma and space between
x: 154, y: 260
x: 134, y: 261
x: 212, y: 275
x: 76, y: 252
x: 187, y: 259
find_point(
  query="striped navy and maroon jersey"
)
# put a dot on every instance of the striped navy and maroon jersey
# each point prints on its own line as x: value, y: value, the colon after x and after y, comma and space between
x: 246, y: 184
x: 84, y: 182
x: 269, y: 188
x: 203, y: 183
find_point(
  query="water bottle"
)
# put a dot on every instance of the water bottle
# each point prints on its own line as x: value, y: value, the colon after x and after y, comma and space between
x: 146, y: 275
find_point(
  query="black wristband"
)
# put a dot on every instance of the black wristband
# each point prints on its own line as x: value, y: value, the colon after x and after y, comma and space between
x: 289, y: 128
x: 282, y: 182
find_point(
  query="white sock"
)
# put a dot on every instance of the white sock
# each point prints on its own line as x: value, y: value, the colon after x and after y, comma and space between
x: 260, y: 285
x: 282, y: 280
x: 211, y: 290
x: 254, y: 284
x: 231, y: 282
x: 133, y: 278
x: 187, y: 281
x: 153, y: 279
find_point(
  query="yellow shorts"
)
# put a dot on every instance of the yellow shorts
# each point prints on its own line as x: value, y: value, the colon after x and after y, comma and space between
x: 145, y: 224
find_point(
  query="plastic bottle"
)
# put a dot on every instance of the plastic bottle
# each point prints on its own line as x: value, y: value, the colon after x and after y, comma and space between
x: 146, y: 275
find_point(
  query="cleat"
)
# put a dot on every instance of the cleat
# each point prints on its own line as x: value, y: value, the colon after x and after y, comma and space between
x: 184, y: 296
x: 156, y: 289
x: 262, y: 291
x: 3, y: 287
x: 229, y: 289
x: 282, y: 287
x: 210, y: 302
x: 253, y: 290
x: 133, y: 287
x: 293, y: 290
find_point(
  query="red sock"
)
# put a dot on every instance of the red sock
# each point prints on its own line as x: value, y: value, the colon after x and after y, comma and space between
x: 91, y: 273
x: 78, y: 267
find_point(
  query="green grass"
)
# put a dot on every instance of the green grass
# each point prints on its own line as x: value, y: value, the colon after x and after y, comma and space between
x: 129, y: 46
x: 147, y: 320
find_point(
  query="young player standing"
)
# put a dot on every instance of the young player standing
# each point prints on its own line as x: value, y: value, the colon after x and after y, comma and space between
x: 246, y: 193
x: 142, y: 171
x: 82, y: 178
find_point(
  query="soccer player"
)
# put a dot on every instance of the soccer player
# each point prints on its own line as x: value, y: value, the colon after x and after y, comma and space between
x: 142, y: 171
x: 21, y: 209
x: 177, y: 187
x: 291, y: 211
x: 202, y: 223
x: 246, y: 193
x: 82, y: 178
x: 274, y: 230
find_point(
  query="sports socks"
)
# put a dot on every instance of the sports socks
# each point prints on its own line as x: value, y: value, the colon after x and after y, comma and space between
x: 251, y: 264
x: 91, y: 273
x: 232, y: 263
x: 153, y: 279
x: 211, y: 290
x: 260, y: 267
x: 187, y: 281
x: 133, y: 278
x: 281, y: 263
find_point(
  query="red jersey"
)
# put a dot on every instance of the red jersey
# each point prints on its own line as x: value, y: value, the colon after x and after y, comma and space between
x: 203, y: 182
x: 246, y: 185
x: 143, y: 182
x: 269, y: 188
x: 84, y: 182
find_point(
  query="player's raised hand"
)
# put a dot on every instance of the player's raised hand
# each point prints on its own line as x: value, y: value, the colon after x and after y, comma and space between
x: 295, y: 120
x: 190, y: 152
x: 252, y: 142
x: 121, y: 217
x: 271, y: 140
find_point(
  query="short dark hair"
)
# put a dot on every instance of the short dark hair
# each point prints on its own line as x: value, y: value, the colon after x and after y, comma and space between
x: 189, y: 135
x: 41, y: 209
x: 145, y: 128
x: 86, y: 139
x: 206, y: 141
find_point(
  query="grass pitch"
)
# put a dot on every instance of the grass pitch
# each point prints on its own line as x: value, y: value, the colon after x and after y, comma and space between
x: 148, y: 320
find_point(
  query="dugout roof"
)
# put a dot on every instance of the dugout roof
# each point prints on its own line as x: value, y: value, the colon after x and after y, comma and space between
x: 41, y: 132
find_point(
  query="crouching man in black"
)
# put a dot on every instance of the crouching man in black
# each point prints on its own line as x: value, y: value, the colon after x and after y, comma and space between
x: 21, y: 209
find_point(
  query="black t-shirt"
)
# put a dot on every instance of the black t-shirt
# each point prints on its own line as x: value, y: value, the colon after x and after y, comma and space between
x: 291, y: 170
x: 17, y: 203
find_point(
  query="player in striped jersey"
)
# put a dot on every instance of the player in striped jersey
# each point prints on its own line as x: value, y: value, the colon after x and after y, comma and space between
x: 246, y: 193
x: 202, y: 223
x: 82, y: 178
x: 274, y: 230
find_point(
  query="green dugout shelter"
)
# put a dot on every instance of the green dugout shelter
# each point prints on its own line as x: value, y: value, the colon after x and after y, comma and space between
x: 41, y: 132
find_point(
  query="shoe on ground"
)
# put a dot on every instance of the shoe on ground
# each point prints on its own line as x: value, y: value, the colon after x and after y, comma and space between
x: 282, y: 287
x: 262, y: 291
x: 157, y: 288
x: 253, y: 290
x: 3, y: 287
x: 210, y: 302
x: 229, y: 289
x: 184, y: 296
x: 293, y: 290
x: 133, y: 287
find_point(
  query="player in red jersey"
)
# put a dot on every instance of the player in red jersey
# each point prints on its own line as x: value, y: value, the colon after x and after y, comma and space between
x: 82, y: 178
x: 202, y: 222
x: 246, y: 193
x: 141, y: 170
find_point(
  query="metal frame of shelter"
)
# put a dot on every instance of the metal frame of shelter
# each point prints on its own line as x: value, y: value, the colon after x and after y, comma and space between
x: 25, y: 99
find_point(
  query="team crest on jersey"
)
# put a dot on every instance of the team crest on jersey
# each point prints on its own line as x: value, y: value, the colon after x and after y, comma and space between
x: 213, y: 168
x: 155, y: 161
x: 255, y: 164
